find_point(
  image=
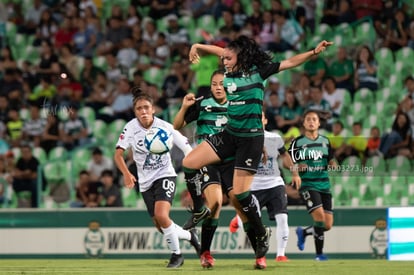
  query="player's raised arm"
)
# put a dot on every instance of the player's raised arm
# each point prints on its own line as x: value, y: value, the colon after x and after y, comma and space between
x: 194, y: 54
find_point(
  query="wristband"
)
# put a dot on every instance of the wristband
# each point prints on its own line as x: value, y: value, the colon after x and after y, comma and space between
x: 314, y: 53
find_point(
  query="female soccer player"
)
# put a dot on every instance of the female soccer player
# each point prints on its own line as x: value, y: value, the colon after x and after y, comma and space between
x: 247, y: 66
x: 156, y: 174
x: 313, y: 156
x: 268, y: 187
x: 211, y: 117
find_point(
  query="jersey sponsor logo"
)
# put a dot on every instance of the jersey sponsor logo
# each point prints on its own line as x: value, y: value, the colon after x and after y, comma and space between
x: 234, y: 103
x: 154, y: 162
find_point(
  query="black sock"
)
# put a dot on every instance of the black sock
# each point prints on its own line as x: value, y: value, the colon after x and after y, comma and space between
x: 193, y: 182
x: 208, y: 229
x: 252, y: 236
x: 249, y: 208
x: 308, y: 231
x: 319, y: 239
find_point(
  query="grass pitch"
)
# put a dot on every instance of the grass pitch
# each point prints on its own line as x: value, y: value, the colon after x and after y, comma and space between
x: 192, y: 266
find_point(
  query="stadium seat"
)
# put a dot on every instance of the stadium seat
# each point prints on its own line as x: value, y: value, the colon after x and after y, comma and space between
x: 343, y: 35
x: 88, y: 114
x: 374, y: 185
x: 399, y: 165
x: 207, y: 22
x: 324, y: 31
x: 364, y: 33
x: 129, y: 197
x: 80, y: 158
x: 40, y: 154
x: 359, y: 111
x: 57, y: 153
x: 410, y: 184
x: 376, y: 166
x: 395, y: 190
x: 154, y: 75
x: 117, y: 126
x: 54, y: 172
x: 100, y: 130
x: 364, y: 95
x: 405, y: 55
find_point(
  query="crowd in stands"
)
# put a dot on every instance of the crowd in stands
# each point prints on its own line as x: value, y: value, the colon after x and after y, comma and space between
x: 66, y: 68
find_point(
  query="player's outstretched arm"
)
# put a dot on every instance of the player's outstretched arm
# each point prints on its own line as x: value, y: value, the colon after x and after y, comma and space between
x: 129, y: 179
x: 299, y: 59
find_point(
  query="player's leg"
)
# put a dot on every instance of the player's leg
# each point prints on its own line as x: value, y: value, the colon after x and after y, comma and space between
x: 278, y: 207
x: 214, y: 200
x: 199, y: 157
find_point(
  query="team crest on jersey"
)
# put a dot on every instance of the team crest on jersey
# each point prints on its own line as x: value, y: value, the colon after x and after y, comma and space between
x: 231, y: 87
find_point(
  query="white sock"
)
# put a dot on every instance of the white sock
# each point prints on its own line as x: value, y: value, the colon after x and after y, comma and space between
x: 282, y: 233
x: 181, y: 233
x: 171, y: 237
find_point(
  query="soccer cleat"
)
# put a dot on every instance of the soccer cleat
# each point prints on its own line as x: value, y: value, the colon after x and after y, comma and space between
x: 260, y: 263
x: 176, y: 261
x: 196, y: 217
x: 282, y: 259
x: 234, y: 225
x: 301, y: 238
x: 321, y: 257
x: 194, y: 241
x: 206, y: 260
x: 262, y: 243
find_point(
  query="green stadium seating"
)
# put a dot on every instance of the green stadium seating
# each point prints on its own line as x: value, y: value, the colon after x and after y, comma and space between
x: 399, y: 165
x: 376, y: 166
x: 395, y: 191
x: 100, y: 131
x: 40, y: 154
x: 57, y: 153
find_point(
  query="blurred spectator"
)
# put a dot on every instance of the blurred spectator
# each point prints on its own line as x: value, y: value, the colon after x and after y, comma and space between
x: 330, y: 12
x: 272, y: 110
x: 68, y: 91
x: 274, y: 86
x: 290, y: 112
x: 310, y: 10
x: 98, y: 164
x: 110, y: 193
x: 409, y: 88
x: 48, y: 59
x: 291, y: 34
x: 7, y: 60
x: 268, y: 33
x: 14, y: 128
x: 161, y: 8
x: 176, y: 34
x: 399, y: 140
x: 318, y: 103
x: 116, y: 32
x: 162, y: 51
x: 89, y: 75
x: 32, y: 17
x: 199, y: 8
x: 50, y: 136
x: 86, y: 191
x: 255, y: 20
x: 316, y: 68
x: 132, y: 17
x: 9, y: 82
x: 397, y: 34
x: 120, y: 102
x: 373, y: 144
x: 365, y: 73
x: 73, y: 131
x: 342, y: 70
x: 172, y: 86
x: 69, y: 60
x: 84, y: 5
x: 44, y: 91
x: 345, y: 12
x: 28, y: 75
x: 46, y: 29
x: 410, y: 42
x: 296, y: 12
x: 333, y: 95
x: 367, y: 8
x: 382, y: 20
x: 6, y: 183
x: 34, y: 127
x: 101, y: 90
x: 4, y: 108
x: 302, y: 89
x: 25, y: 174
x: 127, y: 55
x: 150, y: 33
x: 354, y: 145
x: 335, y: 137
x: 114, y: 70
x: 84, y: 39
x: 239, y: 15
x: 64, y: 33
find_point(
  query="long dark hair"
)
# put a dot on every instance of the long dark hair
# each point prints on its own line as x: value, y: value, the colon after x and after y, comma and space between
x: 249, y: 54
x: 401, y: 130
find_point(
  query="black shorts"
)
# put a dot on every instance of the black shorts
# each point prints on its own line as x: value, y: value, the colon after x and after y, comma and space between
x: 314, y: 199
x: 218, y: 174
x: 247, y: 151
x: 274, y: 199
x: 162, y: 189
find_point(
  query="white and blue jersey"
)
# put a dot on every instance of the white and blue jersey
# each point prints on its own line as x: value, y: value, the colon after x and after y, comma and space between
x: 150, y: 166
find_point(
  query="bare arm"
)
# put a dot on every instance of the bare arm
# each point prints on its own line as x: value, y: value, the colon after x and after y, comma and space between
x: 211, y: 49
x: 288, y: 163
x: 301, y: 58
x: 129, y: 179
x: 179, y: 122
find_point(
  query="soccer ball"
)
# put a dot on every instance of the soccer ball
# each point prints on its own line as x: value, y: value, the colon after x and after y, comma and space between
x: 158, y: 140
